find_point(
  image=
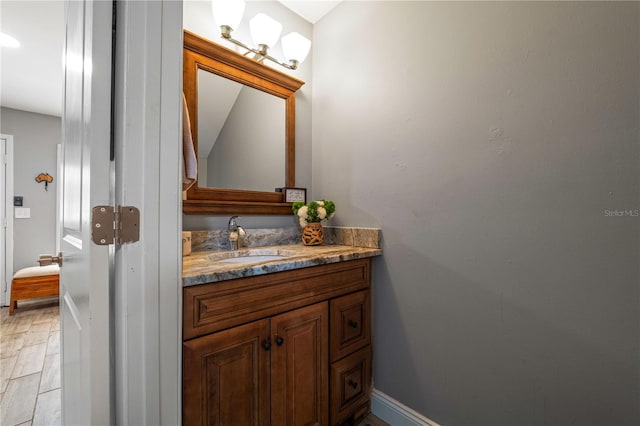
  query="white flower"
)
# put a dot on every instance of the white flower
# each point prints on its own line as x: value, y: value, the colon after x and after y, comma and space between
x: 322, y: 213
x: 303, y: 222
x: 302, y: 212
x: 320, y: 203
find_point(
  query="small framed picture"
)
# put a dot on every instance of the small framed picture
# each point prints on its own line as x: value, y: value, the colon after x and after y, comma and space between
x: 291, y: 195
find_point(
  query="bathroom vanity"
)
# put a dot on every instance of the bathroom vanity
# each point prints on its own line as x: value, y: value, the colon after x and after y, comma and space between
x: 281, y: 341
x: 278, y: 335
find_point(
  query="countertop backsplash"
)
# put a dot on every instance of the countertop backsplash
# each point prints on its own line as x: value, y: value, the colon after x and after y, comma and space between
x: 352, y: 236
x: 259, y: 237
x: 217, y: 239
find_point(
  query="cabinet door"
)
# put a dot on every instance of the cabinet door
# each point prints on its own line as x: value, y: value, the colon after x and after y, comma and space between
x: 299, y: 360
x: 226, y: 377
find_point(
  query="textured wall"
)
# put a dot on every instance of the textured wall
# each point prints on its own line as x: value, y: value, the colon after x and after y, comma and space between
x: 35, y: 137
x: 490, y: 141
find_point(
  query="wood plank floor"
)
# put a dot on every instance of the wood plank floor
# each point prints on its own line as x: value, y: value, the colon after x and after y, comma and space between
x: 372, y: 420
x: 30, y: 364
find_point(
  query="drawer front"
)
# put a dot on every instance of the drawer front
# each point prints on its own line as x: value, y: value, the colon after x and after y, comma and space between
x: 350, y: 323
x: 217, y: 306
x: 350, y: 384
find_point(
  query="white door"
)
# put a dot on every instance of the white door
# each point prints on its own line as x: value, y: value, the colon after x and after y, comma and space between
x: 120, y: 305
x: 85, y: 272
x: 6, y: 217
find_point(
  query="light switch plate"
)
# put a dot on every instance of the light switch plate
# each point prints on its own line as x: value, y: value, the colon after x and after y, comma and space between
x: 22, y: 212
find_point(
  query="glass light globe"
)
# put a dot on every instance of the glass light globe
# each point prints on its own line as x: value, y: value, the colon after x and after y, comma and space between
x: 264, y: 29
x: 227, y: 12
x: 295, y: 47
x: 7, y: 41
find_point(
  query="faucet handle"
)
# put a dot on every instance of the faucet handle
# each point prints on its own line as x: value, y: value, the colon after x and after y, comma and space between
x: 232, y: 222
x: 241, y: 231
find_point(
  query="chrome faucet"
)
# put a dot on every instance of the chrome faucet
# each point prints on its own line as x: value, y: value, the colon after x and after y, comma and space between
x: 236, y: 232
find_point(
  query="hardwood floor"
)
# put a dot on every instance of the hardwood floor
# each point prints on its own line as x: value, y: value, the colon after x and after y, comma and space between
x: 30, y: 364
x: 372, y: 420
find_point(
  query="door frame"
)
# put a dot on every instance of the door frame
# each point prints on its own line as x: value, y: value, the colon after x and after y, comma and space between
x: 7, y: 234
x: 59, y: 173
x: 148, y: 273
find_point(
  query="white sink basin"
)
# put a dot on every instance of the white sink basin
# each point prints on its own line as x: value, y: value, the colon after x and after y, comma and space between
x: 253, y: 255
x: 254, y: 258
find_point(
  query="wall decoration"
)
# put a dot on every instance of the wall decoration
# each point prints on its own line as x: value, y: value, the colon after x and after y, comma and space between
x: 46, y: 178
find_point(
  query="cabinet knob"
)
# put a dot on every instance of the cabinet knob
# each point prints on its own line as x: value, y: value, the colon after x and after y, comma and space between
x: 266, y: 344
x: 353, y: 324
x: 279, y: 341
x: 353, y: 384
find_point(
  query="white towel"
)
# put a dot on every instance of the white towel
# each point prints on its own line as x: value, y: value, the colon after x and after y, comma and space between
x: 189, y: 161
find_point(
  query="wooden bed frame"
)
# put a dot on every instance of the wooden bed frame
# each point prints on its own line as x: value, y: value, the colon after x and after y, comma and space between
x: 32, y: 287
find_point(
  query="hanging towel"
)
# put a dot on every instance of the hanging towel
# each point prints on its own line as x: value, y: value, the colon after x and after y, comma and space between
x: 189, y: 161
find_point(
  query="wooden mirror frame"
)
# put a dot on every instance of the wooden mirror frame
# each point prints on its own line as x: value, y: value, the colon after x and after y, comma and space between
x: 200, y: 53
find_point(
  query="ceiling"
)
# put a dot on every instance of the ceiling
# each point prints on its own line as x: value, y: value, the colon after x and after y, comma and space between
x: 31, y: 75
x: 311, y: 10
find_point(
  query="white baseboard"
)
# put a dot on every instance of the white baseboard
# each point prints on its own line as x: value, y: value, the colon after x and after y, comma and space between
x: 395, y: 413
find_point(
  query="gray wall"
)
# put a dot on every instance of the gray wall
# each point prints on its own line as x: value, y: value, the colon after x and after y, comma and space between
x: 488, y: 140
x: 35, y: 137
x: 198, y: 18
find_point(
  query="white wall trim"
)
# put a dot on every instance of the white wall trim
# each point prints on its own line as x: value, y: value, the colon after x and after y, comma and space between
x: 59, y: 171
x: 395, y: 413
x: 8, y: 235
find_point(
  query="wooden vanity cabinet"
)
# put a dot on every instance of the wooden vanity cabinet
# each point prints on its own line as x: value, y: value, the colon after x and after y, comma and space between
x: 226, y: 378
x: 299, y: 367
x: 288, y: 348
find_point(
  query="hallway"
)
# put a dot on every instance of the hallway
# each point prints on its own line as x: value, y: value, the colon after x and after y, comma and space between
x: 30, y: 364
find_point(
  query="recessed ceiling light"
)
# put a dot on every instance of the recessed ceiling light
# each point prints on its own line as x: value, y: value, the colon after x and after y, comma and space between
x: 7, y: 41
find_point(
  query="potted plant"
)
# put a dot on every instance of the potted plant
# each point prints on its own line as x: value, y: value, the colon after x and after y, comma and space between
x: 311, y: 217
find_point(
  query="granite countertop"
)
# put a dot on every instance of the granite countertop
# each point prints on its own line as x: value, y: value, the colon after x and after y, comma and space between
x: 206, y: 266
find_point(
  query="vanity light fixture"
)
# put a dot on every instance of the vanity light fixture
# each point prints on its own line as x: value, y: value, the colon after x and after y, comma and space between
x: 265, y: 32
x: 7, y: 41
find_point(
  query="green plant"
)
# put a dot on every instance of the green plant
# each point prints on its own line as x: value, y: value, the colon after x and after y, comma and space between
x: 315, y: 211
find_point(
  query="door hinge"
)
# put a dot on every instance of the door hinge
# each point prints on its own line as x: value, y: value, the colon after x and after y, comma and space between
x: 115, y: 225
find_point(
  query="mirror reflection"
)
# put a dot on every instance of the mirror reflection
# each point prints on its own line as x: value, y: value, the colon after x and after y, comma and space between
x: 241, y: 135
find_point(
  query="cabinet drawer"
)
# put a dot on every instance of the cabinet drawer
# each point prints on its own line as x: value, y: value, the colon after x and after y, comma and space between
x: 350, y: 383
x: 350, y: 323
x: 217, y: 306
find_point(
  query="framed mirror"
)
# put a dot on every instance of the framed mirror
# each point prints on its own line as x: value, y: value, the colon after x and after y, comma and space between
x: 242, y: 116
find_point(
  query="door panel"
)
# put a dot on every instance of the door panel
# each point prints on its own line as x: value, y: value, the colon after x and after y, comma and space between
x: 84, y: 276
x: 226, y: 377
x: 299, y: 361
